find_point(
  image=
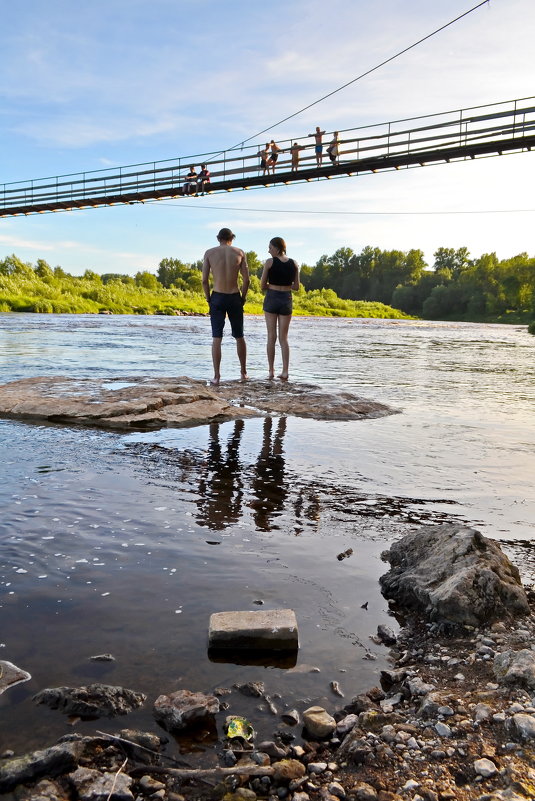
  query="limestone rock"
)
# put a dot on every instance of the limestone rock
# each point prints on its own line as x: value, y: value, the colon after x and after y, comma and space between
x: 318, y: 722
x: 10, y: 675
x: 181, y: 709
x: 93, y: 701
x: 516, y: 668
x: 452, y: 573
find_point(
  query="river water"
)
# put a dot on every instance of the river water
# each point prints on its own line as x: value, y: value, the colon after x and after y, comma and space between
x: 126, y: 543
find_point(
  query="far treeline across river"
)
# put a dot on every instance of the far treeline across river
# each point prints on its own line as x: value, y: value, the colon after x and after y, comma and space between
x: 372, y: 283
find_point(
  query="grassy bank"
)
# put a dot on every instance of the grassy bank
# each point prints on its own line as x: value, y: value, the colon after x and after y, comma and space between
x: 45, y: 291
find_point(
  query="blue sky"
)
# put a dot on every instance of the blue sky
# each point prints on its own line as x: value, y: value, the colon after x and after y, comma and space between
x: 116, y: 82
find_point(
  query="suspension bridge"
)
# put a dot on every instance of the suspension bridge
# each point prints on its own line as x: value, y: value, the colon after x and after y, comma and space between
x: 476, y: 132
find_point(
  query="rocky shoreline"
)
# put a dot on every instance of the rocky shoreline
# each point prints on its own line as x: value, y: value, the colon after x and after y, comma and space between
x: 453, y: 717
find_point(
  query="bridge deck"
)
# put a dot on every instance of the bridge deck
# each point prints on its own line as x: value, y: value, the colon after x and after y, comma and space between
x: 503, y: 128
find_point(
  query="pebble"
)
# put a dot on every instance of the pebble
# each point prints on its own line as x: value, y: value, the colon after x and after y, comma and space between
x: 336, y: 789
x: 365, y: 792
x: 515, y: 708
x: 317, y: 767
x: 482, y: 712
x: 346, y: 724
x: 442, y: 729
x: 485, y: 768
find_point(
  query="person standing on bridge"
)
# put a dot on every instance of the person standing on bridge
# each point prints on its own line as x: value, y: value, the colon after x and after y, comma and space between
x: 318, y: 149
x: 226, y: 262
x: 279, y: 277
x: 264, y: 156
x: 333, y: 150
x: 273, y: 156
x: 295, y: 150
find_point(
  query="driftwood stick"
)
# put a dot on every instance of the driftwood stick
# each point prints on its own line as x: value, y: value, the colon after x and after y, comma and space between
x: 143, y: 748
x: 207, y: 773
x: 115, y: 779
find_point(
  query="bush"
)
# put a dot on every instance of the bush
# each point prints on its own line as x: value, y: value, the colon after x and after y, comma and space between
x: 42, y: 307
x: 531, y: 327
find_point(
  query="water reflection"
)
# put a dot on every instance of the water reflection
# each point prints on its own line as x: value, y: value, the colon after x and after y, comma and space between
x: 231, y: 487
x: 221, y: 483
x: 268, y: 483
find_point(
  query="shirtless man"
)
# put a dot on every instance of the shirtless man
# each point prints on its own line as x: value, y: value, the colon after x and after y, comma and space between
x: 225, y: 262
x: 318, y: 149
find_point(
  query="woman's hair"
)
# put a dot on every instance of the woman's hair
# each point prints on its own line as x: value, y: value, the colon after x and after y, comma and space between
x: 279, y: 243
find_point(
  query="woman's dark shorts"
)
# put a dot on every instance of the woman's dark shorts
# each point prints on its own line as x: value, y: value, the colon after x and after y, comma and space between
x: 277, y: 302
x: 222, y: 304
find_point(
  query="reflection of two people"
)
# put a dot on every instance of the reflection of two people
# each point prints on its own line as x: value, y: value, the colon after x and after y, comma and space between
x: 221, y: 487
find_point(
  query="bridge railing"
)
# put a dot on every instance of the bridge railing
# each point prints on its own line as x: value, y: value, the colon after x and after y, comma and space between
x: 416, y: 136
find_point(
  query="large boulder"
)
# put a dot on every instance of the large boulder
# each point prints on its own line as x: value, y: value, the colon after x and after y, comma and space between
x: 451, y: 573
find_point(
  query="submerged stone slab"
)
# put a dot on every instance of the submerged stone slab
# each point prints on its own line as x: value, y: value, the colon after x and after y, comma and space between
x: 149, y: 403
x: 269, y: 630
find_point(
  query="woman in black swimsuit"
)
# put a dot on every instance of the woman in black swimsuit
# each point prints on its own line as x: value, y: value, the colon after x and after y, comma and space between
x: 279, y: 277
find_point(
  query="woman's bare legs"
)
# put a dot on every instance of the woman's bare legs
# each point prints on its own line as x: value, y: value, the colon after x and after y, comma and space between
x: 284, y: 324
x: 271, y: 325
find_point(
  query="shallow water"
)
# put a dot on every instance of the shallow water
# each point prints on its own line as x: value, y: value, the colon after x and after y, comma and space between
x: 126, y: 543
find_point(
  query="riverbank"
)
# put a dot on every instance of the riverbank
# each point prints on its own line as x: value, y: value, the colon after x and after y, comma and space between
x: 441, y: 728
x: 452, y: 718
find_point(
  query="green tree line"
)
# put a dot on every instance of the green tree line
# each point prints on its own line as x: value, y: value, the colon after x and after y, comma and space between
x: 455, y: 287
x: 176, y: 288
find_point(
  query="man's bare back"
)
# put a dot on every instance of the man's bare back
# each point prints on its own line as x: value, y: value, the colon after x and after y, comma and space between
x: 225, y: 262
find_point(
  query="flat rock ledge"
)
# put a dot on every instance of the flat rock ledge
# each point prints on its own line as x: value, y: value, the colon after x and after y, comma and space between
x: 151, y: 403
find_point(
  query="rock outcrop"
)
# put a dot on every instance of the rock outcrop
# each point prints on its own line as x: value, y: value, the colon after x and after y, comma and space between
x: 183, y: 708
x: 93, y: 701
x: 452, y: 574
x: 148, y: 403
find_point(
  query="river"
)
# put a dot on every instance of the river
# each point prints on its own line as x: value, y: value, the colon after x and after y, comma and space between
x: 126, y: 543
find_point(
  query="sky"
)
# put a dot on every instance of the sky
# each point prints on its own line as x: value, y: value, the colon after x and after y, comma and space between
x: 86, y: 86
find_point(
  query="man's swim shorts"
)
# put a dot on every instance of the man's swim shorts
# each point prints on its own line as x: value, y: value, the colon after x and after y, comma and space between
x: 221, y: 305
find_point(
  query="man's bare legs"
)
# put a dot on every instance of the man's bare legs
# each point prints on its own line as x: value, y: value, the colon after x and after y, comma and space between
x: 271, y: 325
x: 284, y: 324
x: 241, y: 350
x: 216, y: 359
